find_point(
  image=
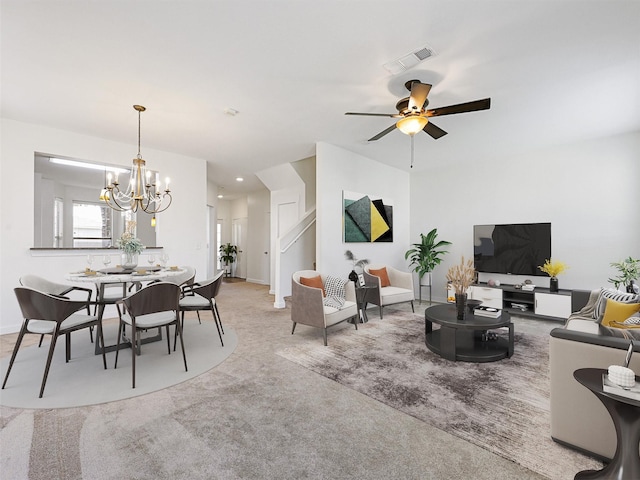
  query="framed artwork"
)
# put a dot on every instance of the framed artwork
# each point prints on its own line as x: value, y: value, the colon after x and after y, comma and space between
x: 366, y: 218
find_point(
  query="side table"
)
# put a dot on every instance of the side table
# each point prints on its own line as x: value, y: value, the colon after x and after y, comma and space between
x: 362, y: 294
x: 625, y: 413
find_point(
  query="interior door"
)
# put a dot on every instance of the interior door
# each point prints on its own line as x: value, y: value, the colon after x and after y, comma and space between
x: 238, y: 232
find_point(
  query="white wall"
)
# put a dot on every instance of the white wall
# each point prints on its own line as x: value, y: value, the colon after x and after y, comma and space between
x: 590, y: 192
x: 181, y: 229
x: 337, y: 170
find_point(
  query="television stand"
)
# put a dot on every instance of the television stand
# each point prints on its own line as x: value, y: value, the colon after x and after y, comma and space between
x: 537, y: 303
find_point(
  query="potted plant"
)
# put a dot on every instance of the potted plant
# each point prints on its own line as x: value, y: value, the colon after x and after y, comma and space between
x: 426, y: 254
x: 629, y: 270
x: 358, y: 265
x: 553, y: 268
x: 461, y: 277
x: 228, y: 254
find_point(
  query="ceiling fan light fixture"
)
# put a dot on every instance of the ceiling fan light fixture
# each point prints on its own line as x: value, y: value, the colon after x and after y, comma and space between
x: 412, y: 124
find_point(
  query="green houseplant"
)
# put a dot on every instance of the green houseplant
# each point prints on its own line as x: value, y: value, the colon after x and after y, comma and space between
x: 426, y: 254
x: 228, y: 254
x: 629, y: 270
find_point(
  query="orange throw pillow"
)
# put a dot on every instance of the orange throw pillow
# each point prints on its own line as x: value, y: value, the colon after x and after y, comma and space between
x: 384, y: 276
x: 315, y: 282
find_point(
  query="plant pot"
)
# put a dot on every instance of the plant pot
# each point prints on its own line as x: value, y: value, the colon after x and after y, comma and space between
x: 553, y: 284
x: 461, y: 303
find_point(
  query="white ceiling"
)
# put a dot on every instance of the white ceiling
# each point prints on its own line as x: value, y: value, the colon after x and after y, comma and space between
x: 556, y: 71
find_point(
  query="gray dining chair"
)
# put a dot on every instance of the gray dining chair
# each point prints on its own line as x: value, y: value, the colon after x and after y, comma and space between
x: 153, y: 306
x: 46, y: 314
x: 201, y: 296
x: 52, y: 288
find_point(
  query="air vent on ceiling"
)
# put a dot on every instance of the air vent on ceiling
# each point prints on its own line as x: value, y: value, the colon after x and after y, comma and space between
x: 408, y: 61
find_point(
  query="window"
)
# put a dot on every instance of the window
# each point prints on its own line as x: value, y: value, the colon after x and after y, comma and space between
x: 58, y: 215
x: 91, y: 225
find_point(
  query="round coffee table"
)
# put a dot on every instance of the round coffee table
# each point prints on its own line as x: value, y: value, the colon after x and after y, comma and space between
x: 466, y: 340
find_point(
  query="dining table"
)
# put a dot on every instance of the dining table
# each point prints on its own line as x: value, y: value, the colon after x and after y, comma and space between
x: 127, y: 280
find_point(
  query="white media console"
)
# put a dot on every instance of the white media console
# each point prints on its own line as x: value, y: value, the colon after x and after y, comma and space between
x: 540, y: 302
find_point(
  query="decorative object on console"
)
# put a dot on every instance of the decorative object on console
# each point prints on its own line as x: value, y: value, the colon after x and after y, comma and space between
x: 358, y: 265
x: 472, y: 304
x: 629, y: 270
x: 461, y: 277
x: 553, y: 268
x: 143, y: 190
x: 483, y: 311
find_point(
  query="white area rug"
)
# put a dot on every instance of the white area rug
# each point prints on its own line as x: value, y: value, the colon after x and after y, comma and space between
x: 84, y: 381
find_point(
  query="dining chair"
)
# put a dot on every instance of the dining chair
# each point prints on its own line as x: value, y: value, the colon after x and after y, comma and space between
x: 52, y: 288
x: 47, y: 314
x: 156, y: 305
x: 202, y: 296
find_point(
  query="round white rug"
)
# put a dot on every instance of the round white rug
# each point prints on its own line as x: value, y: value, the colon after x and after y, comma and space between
x: 84, y: 381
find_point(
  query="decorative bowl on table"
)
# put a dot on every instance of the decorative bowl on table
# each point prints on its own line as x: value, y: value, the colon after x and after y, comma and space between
x: 472, y: 304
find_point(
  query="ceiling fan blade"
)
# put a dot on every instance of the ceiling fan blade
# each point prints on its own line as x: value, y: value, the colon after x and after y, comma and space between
x: 483, y: 104
x: 419, y: 92
x: 433, y: 130
x: 391, y: 115
x: 383, y: 133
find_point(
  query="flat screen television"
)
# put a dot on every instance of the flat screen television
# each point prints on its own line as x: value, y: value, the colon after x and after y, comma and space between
x: 515, y: 248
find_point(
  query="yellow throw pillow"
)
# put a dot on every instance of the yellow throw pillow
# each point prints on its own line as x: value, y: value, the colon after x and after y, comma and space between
x: 315, y: 282
x: 616, y: 312
x: 384, y: 276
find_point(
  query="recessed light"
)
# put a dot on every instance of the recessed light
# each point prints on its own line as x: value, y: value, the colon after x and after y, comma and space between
x: 239, y: 179
x: 232, y: 112
x: 220, y: 196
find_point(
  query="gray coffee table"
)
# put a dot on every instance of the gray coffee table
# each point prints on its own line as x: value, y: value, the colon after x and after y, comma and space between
x: 465, y: 340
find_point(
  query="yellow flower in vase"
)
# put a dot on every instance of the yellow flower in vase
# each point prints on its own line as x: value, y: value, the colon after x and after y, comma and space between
x: 553, y: 268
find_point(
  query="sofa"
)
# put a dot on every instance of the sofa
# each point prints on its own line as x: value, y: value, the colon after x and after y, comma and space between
x: 578, y: 418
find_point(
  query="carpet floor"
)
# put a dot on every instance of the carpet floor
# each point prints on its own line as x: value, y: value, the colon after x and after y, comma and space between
x: 500, y: 406
x: 84, y: 381
x: 255, y: 416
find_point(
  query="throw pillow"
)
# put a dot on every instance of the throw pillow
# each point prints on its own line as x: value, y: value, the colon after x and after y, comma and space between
x: 611, y: 294
x: 617, y: 312
x: 315, y: 282
x: 384, y: 276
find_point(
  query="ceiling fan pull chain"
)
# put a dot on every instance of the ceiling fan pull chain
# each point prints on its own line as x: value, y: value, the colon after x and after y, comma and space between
x: 412, y: 150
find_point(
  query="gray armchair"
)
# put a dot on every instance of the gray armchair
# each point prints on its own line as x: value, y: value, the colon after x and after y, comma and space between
x: 400, y: 288
x: 307, y: 305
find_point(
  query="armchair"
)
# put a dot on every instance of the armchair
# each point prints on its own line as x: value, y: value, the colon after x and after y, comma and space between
x: 398, y: 289
x: 308, y: 308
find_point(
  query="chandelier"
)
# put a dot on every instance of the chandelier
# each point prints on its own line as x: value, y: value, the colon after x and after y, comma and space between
x: 143, y: 191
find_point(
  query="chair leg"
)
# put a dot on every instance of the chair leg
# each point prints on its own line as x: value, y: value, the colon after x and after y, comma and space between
x: 120, y: 332
x: 135, y: 344
x: 294, y: 328
x: 184, y: 355
x: 52, y: 347
x: 175, y: 334
x: 100, y: 338
x: 412, y: 309
x: 380, y: 312
x: 91, y: 334
x: 356, y: 319
x: 40, y: 342
x: 67, y: 347
x: 168, y: 341
x: 23, y: 330
x: 198, y: 313
x: 324, y: 334
x: 215, y: 306
x: 219, y: 334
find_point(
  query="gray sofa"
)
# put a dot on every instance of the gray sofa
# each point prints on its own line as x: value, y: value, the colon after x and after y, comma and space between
x: 578, y: 418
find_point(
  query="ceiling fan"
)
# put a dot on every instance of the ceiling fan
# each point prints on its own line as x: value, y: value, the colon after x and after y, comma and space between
x: 414, y: 116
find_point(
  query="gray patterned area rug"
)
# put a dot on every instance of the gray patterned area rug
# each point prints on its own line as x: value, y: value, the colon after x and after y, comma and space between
x: 500, y: 406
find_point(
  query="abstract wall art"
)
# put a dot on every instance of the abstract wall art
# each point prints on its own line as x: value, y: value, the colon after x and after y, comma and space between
x: 366, y: 218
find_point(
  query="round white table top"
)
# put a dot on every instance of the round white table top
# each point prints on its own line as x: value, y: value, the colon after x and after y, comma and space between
x: 99, y: 277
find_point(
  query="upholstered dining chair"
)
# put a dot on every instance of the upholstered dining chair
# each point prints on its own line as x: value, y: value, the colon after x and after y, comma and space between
x: 52, y: 288
x: 202, y: 296
x: 308, y: 303
x: 394, y: 286
x: 47, y: 314
x: 156, y: 305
